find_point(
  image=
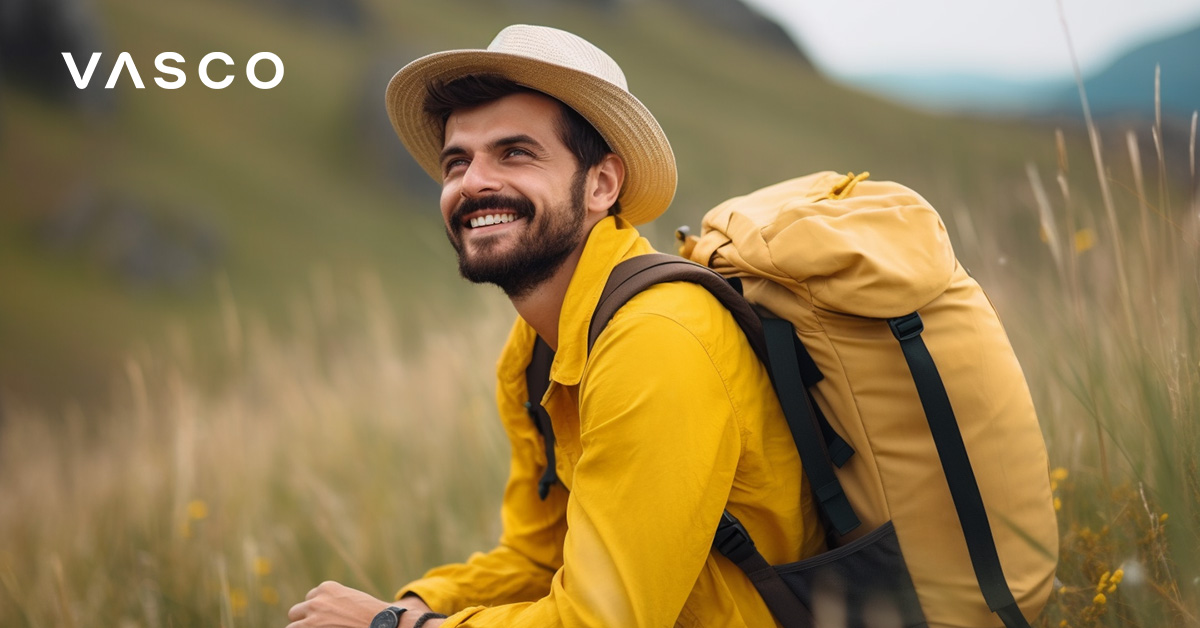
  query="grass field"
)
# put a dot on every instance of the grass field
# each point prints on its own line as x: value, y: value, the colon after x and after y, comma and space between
x: 271, y: 424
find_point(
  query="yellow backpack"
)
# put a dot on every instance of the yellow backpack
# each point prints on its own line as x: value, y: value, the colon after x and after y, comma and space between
x: 912, y: 417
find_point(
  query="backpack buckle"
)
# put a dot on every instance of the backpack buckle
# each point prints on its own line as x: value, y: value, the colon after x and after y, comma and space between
x: 906, y: 327
x: 732, y: 539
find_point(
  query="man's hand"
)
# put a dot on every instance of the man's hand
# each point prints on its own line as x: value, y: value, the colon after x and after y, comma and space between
x: 332, y: 605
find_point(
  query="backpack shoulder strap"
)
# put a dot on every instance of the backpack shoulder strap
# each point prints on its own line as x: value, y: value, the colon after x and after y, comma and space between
x: 636, y: 274
x: 775, y: 348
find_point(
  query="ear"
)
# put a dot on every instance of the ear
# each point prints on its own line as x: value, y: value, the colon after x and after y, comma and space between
x: 604, y: 185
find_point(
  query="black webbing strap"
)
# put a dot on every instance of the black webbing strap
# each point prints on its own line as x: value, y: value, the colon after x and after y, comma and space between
x: 839, y: 450
x: 957, y: 467
x: 810, y: 373
x: 802, y: 421
x: 735, y: 543
x: 537, y: 380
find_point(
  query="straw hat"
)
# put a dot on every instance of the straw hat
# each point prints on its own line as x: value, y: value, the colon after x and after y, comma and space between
x: 561, y: 65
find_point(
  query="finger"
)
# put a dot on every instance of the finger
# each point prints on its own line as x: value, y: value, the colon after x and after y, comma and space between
x: 298, y: 612
x: 329, y: 586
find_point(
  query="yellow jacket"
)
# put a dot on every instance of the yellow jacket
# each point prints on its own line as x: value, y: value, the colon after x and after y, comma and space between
x: 670, y: 420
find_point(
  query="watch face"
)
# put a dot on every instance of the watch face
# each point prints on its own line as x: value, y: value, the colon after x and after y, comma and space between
x: 387, y: 618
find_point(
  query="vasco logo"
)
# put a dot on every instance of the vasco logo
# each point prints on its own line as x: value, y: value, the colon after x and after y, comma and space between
x: 125, y: 61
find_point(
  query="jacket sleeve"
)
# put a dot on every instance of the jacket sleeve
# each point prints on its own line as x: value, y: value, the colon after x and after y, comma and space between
x: 520, y: 568
x: 660, y: 444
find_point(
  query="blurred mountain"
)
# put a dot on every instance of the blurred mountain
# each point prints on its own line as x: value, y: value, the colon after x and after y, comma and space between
x: 1123, y: 88
x: 34, y: 34
x: 1127, y: 85
x: 963, y: 92
x: 739, y: 18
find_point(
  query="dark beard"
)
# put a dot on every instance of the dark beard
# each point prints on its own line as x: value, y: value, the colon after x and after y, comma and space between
x: 540, y: 251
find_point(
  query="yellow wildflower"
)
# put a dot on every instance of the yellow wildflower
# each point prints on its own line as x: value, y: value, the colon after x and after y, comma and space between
x: 1057, y: 504
x: 1162, y: 518
x: 1103, y: 581
x: 1099, y: 600
x: 1084, y: 240
x: 1063, y: 624
x: 238, y: 601
x: 262, y: 566
x: 269, y: 596
x: 1115, y: 580
x: 1059, y: 474
x: 197, y: 509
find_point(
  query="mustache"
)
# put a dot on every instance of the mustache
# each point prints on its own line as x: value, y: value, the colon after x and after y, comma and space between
x: 519, y: 205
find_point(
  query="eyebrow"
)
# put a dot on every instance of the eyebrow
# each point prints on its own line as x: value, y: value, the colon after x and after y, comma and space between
x: 502, y: 142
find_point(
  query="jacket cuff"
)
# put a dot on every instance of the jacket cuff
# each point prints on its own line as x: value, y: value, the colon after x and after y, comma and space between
x: 437, y: 593
x: 458, y: 618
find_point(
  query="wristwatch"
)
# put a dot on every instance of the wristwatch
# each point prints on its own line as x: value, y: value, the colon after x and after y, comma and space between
x: 388, y: 617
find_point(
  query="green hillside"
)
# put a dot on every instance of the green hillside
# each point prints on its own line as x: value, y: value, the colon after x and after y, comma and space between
x: 121, y: 221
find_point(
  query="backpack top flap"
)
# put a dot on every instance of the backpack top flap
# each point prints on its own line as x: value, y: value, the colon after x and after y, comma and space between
x: 866, y: 248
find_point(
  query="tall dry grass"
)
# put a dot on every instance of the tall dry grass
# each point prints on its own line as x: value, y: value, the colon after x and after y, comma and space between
x: 333, y: 453
x: 1115, y: 320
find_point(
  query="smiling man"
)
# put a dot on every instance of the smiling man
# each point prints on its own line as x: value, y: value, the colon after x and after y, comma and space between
x: 495, y: 173
x: 547, y: 163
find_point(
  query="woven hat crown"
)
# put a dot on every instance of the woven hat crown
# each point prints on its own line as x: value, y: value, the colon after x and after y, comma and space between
x: 560, y: 48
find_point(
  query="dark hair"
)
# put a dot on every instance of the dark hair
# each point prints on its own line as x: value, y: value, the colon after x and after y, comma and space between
x: 579, y: 136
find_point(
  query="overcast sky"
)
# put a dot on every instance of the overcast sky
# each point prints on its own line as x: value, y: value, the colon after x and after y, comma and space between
x: 1016, y: 39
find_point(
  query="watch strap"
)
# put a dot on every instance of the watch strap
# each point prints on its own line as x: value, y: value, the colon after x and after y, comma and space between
x: 426, y: 617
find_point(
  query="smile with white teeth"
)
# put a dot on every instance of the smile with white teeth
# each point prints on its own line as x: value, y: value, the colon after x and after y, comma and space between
x: 492, y: 219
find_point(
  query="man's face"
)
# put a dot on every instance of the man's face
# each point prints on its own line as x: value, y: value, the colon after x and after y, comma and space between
x: 512, y: 194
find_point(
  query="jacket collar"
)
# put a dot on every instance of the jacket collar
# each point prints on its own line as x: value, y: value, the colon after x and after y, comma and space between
x: 611, y: 241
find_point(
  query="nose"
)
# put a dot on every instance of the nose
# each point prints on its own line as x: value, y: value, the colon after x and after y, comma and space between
x: 481, y: 177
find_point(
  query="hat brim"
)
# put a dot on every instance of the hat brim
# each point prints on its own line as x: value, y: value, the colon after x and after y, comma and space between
x: 624, y: 122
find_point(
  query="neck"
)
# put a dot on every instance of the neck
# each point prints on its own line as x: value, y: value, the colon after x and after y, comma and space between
x: 542, y: 306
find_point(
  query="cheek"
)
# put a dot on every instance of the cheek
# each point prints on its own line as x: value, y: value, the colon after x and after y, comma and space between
x: 448, y: 203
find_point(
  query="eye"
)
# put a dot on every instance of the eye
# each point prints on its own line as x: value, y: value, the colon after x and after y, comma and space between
x: 517, y: 152
x: 454, y: 164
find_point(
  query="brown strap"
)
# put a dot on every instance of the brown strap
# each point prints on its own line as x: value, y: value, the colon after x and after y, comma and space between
x: 784, y: 605
x: 636, y: 274
x: 734, y: 542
